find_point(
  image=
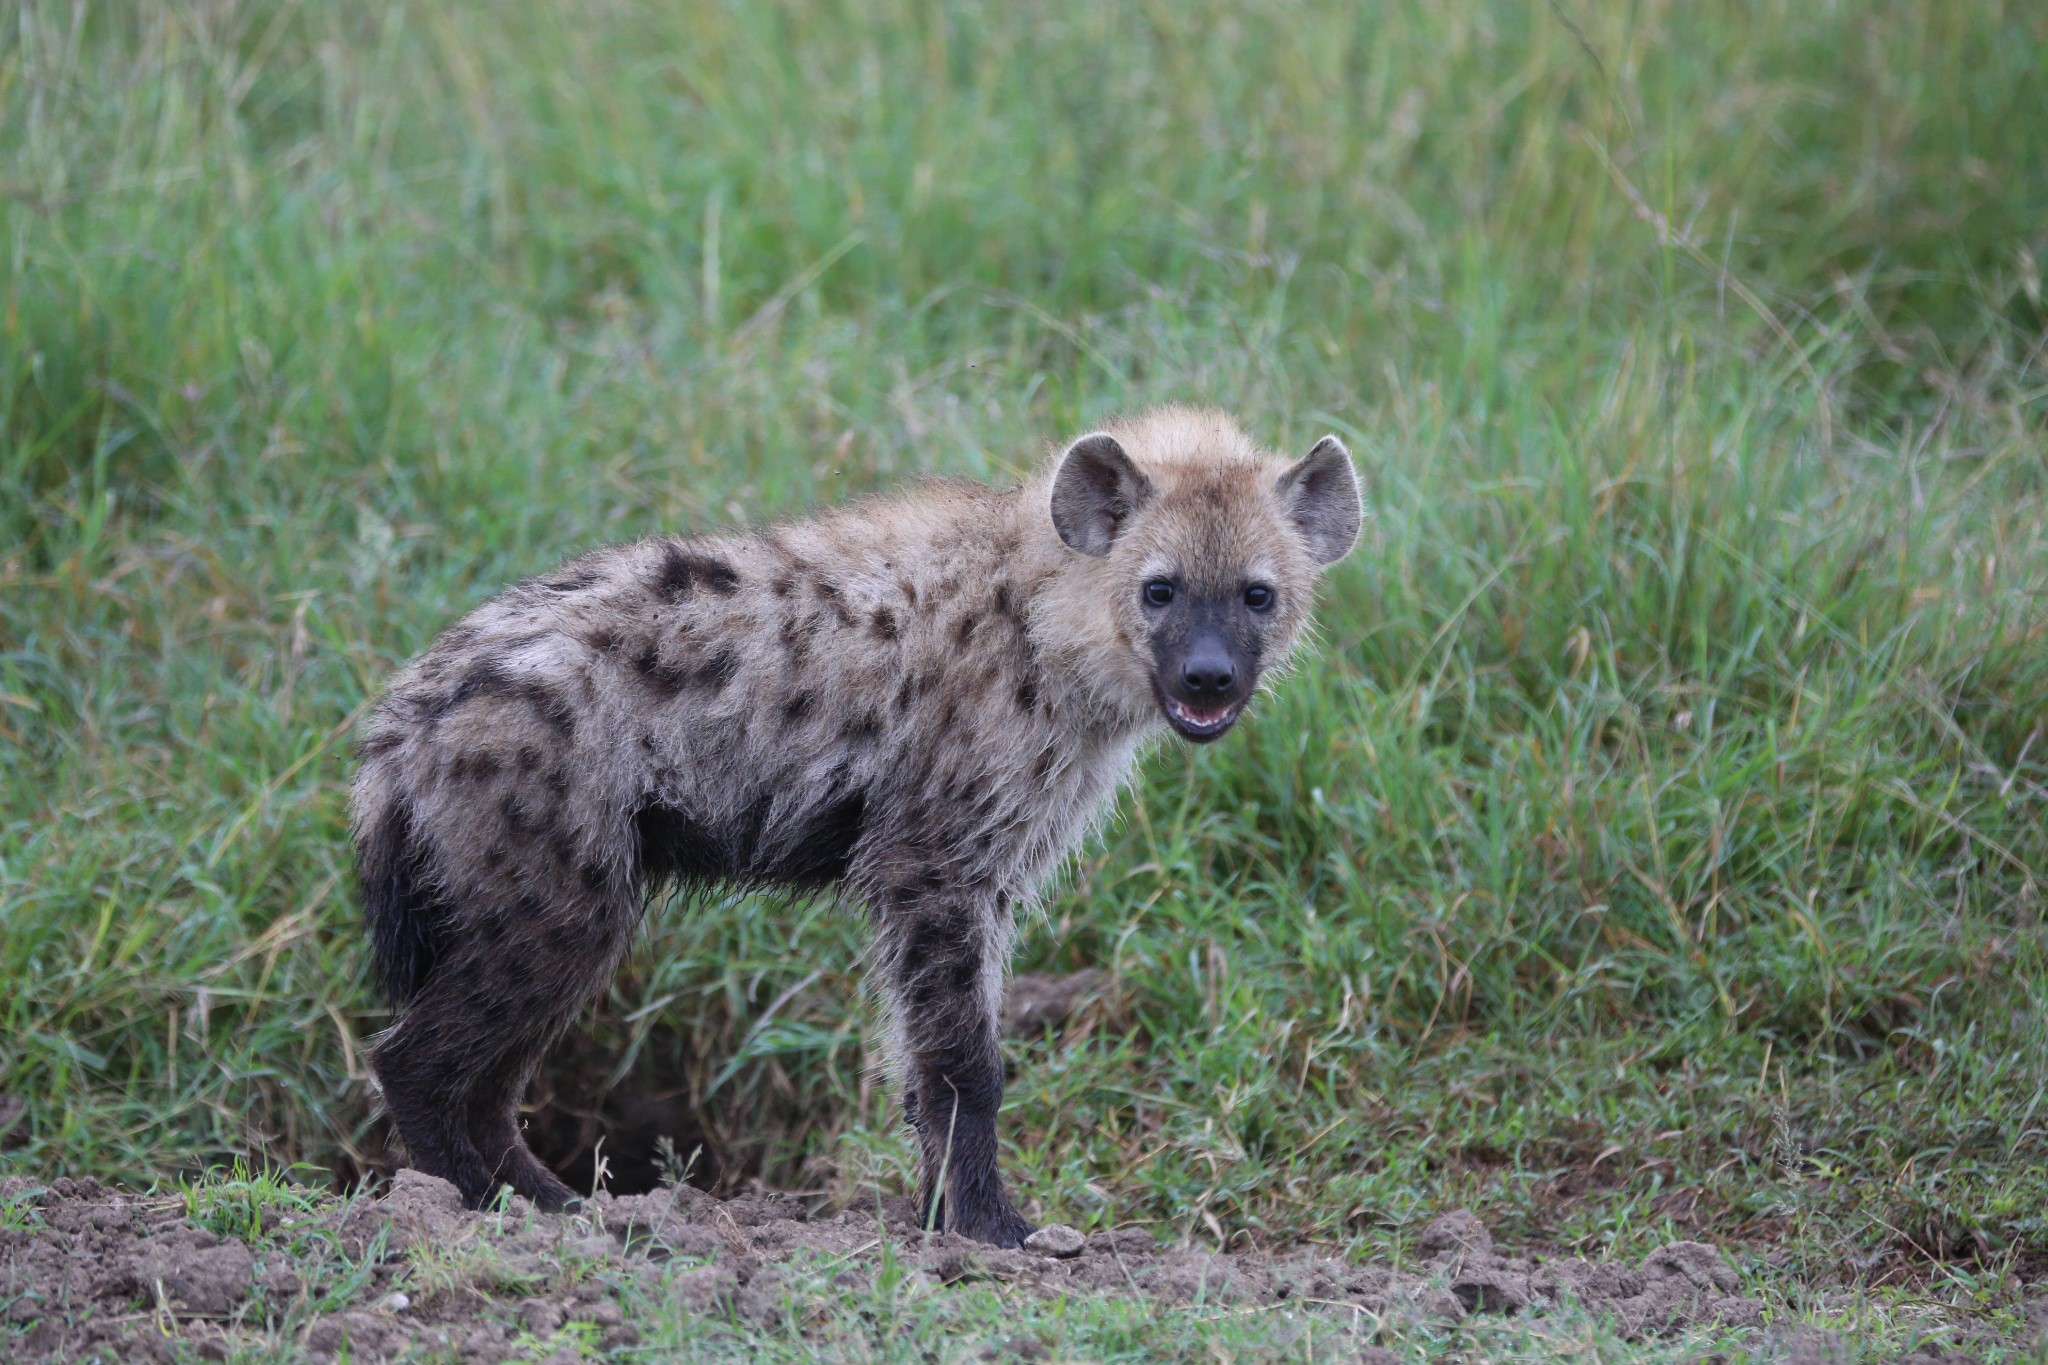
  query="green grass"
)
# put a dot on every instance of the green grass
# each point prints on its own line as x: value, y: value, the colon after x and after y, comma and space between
x: 1654, y: 845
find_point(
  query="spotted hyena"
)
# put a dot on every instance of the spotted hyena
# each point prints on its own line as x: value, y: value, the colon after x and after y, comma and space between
x: 918, y: 703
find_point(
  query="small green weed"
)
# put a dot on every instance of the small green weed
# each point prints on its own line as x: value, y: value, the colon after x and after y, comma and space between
x: 241, y: 1203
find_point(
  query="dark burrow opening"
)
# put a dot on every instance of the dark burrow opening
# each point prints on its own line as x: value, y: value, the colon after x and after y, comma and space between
x: 662, y: 1117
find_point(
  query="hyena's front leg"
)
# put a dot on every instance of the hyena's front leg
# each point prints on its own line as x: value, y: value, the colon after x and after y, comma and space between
x: 942, y: 958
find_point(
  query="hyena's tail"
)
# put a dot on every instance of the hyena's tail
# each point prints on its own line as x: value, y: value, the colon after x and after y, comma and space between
x: 399, y: 907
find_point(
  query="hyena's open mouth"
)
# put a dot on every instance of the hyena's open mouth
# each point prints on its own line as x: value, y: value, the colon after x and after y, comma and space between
x: 1197, y: 724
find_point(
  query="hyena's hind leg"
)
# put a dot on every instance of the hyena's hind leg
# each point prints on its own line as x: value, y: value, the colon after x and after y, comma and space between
x: 456, y: 1068
x: 422, y: 1065
x: 506, y: 1003
x: 549, y: 973
x: 494, y: 1129
x: 425, y: 1068
x: 942, y: 958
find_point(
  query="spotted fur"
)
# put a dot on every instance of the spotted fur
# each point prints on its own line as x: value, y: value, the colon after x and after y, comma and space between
x: 917, y: 703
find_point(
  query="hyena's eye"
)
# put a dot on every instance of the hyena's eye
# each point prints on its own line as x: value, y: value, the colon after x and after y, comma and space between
x: 1158, y: 593
x: 1259, y: 597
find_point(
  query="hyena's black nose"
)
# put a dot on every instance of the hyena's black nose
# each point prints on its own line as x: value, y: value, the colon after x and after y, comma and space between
x: 1208, y: 674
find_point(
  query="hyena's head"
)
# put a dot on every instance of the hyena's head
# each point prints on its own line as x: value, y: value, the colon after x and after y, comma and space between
x: 1208, y: 550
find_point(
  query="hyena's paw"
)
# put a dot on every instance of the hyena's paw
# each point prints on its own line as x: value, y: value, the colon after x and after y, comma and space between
x: 999, y: 1225
x: 526, y: 1175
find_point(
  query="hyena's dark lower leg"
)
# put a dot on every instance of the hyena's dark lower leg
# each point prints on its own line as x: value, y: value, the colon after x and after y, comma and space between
x: 457, y: 1065
x: 426, y: 1068
x: 944, y: 958
x: 494, y: 1128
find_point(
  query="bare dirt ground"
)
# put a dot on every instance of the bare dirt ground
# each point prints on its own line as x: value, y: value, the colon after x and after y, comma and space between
x: 99, y: 1272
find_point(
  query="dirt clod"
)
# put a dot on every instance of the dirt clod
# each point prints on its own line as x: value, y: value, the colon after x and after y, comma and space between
x: 1037, y: 1001
x: 1056, y: 1239
x: 1457, y: 1231
x: 418, y: 1209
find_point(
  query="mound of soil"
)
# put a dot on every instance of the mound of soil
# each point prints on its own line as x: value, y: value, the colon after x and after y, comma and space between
x: 100, y: 1273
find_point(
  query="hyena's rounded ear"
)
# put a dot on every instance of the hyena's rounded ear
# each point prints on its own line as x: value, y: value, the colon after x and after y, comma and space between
x: 1320, y: 493
x: 1094, y: 491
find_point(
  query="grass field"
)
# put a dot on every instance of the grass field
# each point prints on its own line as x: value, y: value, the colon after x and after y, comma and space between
x: 1653, y: 847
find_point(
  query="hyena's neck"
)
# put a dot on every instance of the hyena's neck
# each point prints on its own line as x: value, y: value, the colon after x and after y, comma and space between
x: 1093, y: 677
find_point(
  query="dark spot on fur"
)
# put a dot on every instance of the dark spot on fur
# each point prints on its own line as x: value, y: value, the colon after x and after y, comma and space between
x: 529, y: 758
x: 672, y: 577
x: 378, y: 744
x: 884, y: 623
x: 783, y: 585
x: 681, y: 570
x: 718, y: 670
x: 949, y: 961
x: 475, y: 766
x: 909, y: 591
x: 664, y: 675
x: 1027, y: 696
x: 795, y: 637
x: 1042, y: 765
x: 668, y: 677
x: 830, y: 594
x: 604, y: 641
x: 594, y: 876
x: 570, y: 582
x: 518, y: 819
x: 963, y: 633
x: 865, y: 729
x: 489, y: 679
x: 796, y: 708
x: 906, y: 692
x: 553, y: 709
x: 558, y: 780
